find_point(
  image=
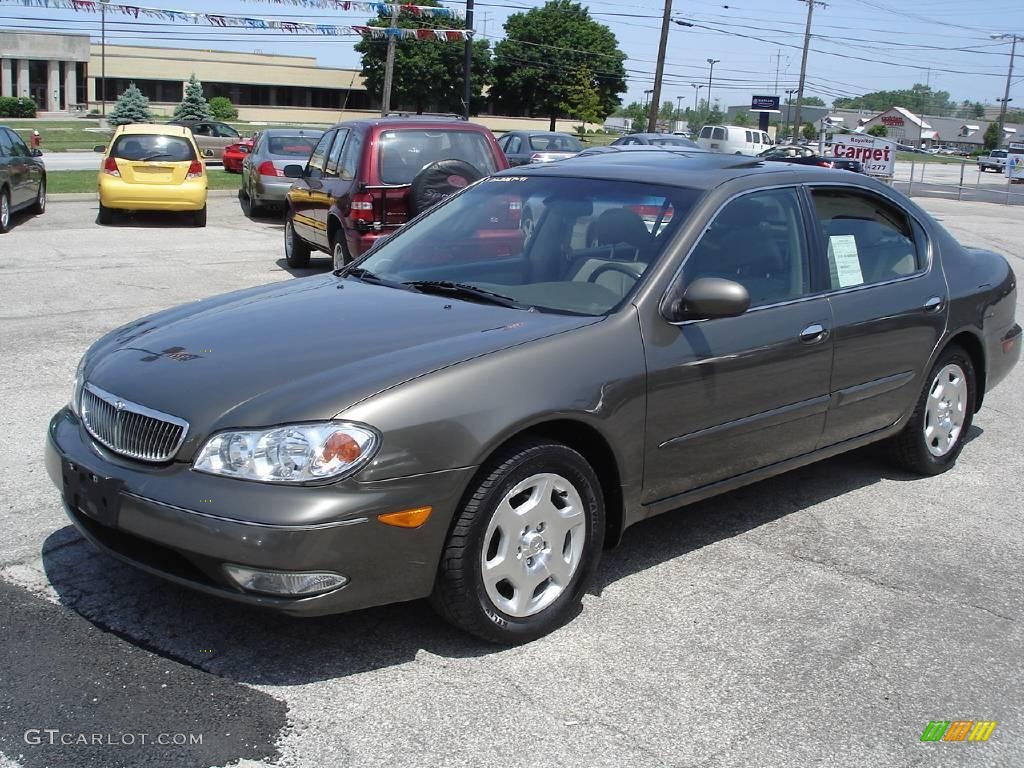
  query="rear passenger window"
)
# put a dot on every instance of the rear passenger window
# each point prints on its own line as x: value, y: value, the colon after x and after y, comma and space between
x: 705, y: 132
x: 758, y: 241
x: 353, y: 153
x: 718, y: 134
x: 514, y: 145
x: 334, y: 158
x: 750, y: 138
x: 869, y: 240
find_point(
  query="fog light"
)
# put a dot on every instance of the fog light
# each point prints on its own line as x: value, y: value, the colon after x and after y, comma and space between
x: 284, y: 582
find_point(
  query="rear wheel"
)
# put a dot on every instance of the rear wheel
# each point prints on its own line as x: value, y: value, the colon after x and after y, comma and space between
x: 525, y: 544
x: 932, y: 439
x: 105, y: 216
x: 339, y: 251
x: 296, y: 252
x: 5, y: 211
x: 39, y: 208
x: 199, y: 217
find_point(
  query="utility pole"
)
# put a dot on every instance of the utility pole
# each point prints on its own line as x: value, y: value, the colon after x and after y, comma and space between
x: 778, y: 61
x: 467, y: 62
x: 789, y: 111
x: 103, y: 58
x: 659, y: 70
x: 679, y: 108
x: 389, y: 65
x: 1009, y: 76
x: 711, y: 72
x: 803, y: 61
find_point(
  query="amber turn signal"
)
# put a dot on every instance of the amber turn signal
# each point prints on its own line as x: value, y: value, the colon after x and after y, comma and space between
x: 408, y: 518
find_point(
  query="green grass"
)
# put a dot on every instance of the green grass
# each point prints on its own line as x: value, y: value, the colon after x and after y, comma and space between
x: 918, y: 157
x: 85, y: 181
x: 62, y: 135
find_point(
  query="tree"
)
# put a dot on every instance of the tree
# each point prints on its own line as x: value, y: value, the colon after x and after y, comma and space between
x: 583, y: 101
x: 534, y: 65
x: 703, y: 115
x: 812, y: 101
x: 809, y: 132
x: 919, y: 99
x: 637, y: 114
x: 878, y: 130
x: 993, y: 137
x: 222, y: 109
x: 193, y: 106
x: 742, y: 119
x: 131, y: 107
x: 428, y: 74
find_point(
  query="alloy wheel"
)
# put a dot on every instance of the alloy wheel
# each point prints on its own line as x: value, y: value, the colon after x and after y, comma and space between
x: 41, y: 200
x: 945, y: 410
x: 5, y: 212
x: 288, y: 236
x: 533, y: 544
x: 338, y: 255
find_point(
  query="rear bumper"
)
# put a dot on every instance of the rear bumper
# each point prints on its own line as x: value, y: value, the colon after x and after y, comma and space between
x: 119, y: 195
x: 272, y: 190
x: 1002, y: 355
x: 331, y: 528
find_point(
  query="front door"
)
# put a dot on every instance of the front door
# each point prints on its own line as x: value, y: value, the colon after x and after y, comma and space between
x: 730, y: 395
x: 24, y: 174
x: 307, y: 196
x: 889, y: 303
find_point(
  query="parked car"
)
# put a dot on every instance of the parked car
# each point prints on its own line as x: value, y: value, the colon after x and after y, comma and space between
x: 523, y: 147
x: 264, y: 183
x: 150, y: 167
x: 212, y: 137
x: 367, y: 178
x: 733, y: 139
x: 22, y: 178
x: 235, y: 154
x: 793, y: 153
x: 446, y: 418
x: 655, y: 140
x: 993, y: 161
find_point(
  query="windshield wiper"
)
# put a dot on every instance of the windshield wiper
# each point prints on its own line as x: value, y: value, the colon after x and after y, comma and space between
x: 366, y: 276
x: 154, y: 156
x: 465, y: 291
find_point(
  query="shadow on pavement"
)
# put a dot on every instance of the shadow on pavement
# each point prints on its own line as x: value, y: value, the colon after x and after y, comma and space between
x: 254, y: 646
x: 318, y: 264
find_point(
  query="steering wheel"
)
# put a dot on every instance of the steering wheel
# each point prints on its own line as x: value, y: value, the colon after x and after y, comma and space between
x: 613, y: 267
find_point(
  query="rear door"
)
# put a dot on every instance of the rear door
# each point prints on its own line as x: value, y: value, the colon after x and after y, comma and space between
x: 888, y: 298
x: 335, y: 188
x: 307, y: 195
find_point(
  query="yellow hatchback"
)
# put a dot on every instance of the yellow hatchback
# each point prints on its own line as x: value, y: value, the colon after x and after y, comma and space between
x: 150, y: 167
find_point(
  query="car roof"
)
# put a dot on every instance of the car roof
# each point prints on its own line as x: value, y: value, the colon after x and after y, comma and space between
x: 150, y: 129
x: 271, y: 132
x: 665, y: 166
x: 417, y: 121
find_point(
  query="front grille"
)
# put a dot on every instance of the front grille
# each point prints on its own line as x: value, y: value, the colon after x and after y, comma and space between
x: 129, y: 428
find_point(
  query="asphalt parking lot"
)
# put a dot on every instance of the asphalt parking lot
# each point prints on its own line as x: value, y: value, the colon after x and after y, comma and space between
x: 821, y: 618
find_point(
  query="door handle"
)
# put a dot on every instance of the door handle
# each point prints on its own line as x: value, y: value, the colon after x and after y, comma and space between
x: 812, y: 334
x: 934, y: 304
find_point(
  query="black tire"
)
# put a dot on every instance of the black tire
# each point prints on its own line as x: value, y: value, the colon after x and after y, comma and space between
x: 460, y: 595
x: 909, y: 448
x: 5, y: 211
x: 296, y: 251
x: 39, y: 206
x: 340, y: 256
x: 439, y: 180
x: 105, y: 215
x: 199, y: 217
x: 255, y: 209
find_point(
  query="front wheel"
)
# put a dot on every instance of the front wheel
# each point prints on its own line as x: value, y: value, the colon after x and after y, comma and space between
x: 5, y: 211
x: 523, y: 546
x: 296, y: 252
x: 933, y: 437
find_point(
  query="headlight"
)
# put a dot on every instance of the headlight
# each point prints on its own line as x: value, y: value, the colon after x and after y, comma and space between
x: 297, y: 453
x: 76, y: 389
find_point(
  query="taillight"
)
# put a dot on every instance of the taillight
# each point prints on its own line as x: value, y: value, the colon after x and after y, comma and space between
x: 515, y: 212
x: 195, y: 170
x: 361, y: 207
x: 110, y: 166
x: 266, y: 168
x: 824, y: 163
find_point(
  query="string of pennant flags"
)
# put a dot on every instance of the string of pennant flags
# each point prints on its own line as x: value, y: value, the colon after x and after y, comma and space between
x: 425, y: 11
x: 250, y: 22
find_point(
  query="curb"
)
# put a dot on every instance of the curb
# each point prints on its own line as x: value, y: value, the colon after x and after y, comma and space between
x: 70, y: 197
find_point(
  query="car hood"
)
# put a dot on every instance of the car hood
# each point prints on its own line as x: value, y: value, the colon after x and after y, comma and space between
x: 303, y: 350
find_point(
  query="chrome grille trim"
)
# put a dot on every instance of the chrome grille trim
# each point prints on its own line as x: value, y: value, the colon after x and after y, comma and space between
x: 131, y: 429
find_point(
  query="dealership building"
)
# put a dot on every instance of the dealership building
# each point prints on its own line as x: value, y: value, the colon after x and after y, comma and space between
x: 65, y: 73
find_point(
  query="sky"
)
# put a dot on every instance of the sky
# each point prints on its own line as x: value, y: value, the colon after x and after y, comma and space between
x: 857, y: 46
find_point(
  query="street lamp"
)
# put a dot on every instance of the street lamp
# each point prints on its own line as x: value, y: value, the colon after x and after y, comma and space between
x: 696, y: 91
x: 647, y: 95
x: 711, y: 72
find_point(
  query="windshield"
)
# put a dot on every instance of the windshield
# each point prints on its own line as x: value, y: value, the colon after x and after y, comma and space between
x: 554, y: 142
x: 998, y: 153
x: 405, y: 152
x: 143, y: 146
x: 556, y: 244
x: 672, y: 141
x: 292, y: 146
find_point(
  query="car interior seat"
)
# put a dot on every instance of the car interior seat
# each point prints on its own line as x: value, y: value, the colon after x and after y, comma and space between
x: 884, y: 253
x: 623, y: 239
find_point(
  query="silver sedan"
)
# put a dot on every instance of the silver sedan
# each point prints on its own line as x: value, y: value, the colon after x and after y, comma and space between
x: 264, y: 184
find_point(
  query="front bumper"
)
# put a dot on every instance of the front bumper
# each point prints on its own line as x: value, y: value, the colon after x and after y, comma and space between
x: 331, y: 528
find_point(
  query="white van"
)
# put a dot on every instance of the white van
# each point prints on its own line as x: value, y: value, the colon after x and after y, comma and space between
x: 733, y: 139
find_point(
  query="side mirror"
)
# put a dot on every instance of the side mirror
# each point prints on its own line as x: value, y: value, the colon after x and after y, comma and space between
x: 36, y: 152
x: 293, y: 171
x: 707, y: 298
x: 100, y: 148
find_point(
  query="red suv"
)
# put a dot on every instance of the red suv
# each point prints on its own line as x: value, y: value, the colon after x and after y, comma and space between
x: 366, y: 178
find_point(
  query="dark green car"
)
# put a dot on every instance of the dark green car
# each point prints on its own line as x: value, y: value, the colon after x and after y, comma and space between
x: 22, y: 178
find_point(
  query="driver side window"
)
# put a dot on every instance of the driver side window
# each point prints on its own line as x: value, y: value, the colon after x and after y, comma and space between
x: 758, y: 241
